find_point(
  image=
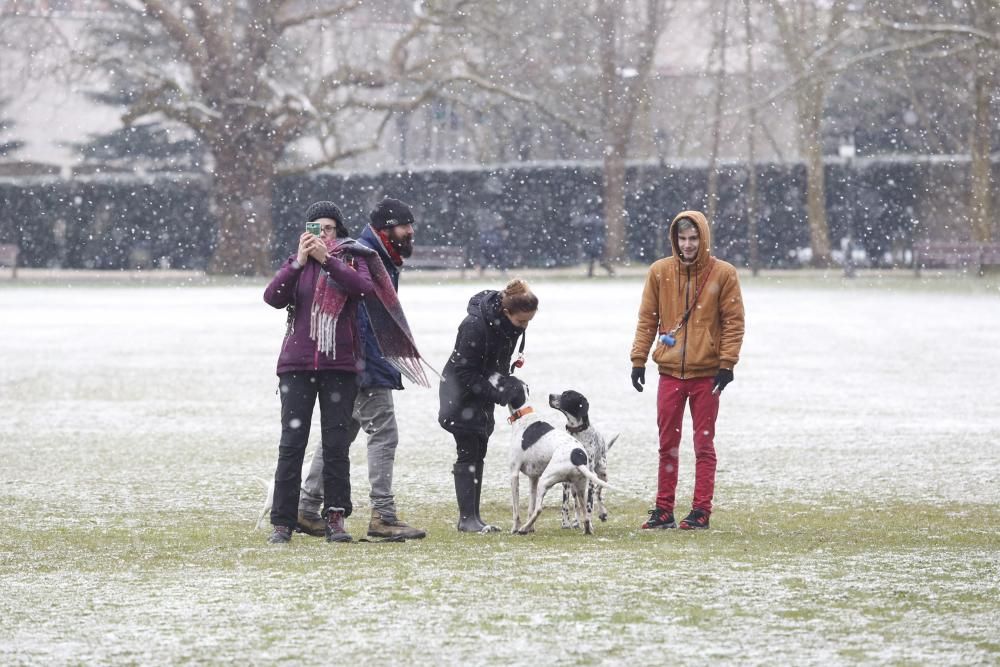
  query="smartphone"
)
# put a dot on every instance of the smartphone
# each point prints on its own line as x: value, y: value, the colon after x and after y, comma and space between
x: 313, y: 228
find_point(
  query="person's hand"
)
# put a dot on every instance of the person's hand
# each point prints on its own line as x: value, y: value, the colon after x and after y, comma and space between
x: 638, y: 377
x: 356, y: 248
x: 305, y: 243
x: 511, y: 392
x: 318, y: 250
x: 722, y: 378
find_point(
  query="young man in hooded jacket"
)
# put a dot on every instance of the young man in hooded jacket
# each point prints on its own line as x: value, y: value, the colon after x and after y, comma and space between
x: 390, y: 234
x: 692, y: 309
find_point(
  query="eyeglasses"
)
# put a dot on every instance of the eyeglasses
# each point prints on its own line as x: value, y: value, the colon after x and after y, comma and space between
x: 328, y: 229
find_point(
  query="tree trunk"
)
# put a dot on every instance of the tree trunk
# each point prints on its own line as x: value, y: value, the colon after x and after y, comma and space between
x: 614, y: 200
x: 981, y: 191
x: 712, y: 196
x: 810, y: 109
x: 244, y: 182
x: 752, y: 232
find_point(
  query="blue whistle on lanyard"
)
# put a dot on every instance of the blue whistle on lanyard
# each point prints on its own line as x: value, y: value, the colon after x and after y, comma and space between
x: 668, y: 339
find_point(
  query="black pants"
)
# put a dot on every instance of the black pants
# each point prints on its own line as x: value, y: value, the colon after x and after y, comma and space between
x: 299, y: 390
x: 471, y: 448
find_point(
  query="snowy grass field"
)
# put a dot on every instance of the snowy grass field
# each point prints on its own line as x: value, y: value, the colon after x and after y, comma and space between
x: 857, y: 499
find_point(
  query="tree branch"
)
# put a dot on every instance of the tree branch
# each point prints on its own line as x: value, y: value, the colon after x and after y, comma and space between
x: 943, y: 29
x: 319, y: 14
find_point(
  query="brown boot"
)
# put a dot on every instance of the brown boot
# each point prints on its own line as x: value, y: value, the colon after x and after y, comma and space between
x: 311, y: 523
x: 379, y: 527
x: 335, y: 526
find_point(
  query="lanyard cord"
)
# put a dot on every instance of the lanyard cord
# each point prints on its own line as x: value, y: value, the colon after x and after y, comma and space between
x: 520, y: 353
x: 687, y: 313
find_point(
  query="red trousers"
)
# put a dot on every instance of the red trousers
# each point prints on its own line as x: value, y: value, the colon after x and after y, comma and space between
x: 671, y: 396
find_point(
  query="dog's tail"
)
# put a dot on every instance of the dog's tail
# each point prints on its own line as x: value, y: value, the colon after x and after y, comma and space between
x: 265, y: 511
x: 578, y: 457
x: 595, y: 479
x: 612, y: 440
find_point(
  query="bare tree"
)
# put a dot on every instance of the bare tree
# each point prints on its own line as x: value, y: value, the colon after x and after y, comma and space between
x: 549, y: 90
x: 628, y: 38
x: 751, y: 197
x: 721, y: 42
x: 985, y: 86
x: 251, y: 78
x: 810, y: 34
x: 969, y: 34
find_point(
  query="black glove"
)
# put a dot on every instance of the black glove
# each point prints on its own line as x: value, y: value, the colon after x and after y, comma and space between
x: 722, y: 378
x: 511, y: 392
x: 356, y: 248
x: 638, y: 378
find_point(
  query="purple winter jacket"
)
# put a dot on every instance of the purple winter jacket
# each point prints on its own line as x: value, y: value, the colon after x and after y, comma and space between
x: 295, y: 284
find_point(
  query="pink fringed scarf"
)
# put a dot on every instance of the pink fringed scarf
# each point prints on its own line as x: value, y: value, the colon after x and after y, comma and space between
x: 385, y: 314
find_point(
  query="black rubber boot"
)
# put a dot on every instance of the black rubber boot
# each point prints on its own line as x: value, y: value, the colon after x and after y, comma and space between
x: 465, y: 493
x: 479, y: 493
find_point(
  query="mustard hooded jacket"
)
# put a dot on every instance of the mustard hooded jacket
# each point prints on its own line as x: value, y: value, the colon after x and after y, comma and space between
x: 711, y: 337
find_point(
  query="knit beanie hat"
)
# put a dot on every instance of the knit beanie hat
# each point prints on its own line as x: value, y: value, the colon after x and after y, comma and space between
x: 327, y: 209
x: 390, y: 212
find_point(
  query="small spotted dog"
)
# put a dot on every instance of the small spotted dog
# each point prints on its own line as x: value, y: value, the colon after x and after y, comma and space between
x: 547, y: 456
x: 576, y: 408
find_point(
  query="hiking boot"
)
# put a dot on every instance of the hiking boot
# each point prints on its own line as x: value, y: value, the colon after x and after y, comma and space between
x: 335, y: 526
x: 280, y: 535
x: 379, y: 526
x: 659, y: 519
x: 696, y: 520
x: 311, y: 523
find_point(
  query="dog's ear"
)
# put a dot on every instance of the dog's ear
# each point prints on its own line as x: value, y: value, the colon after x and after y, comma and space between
x: 518, y: 395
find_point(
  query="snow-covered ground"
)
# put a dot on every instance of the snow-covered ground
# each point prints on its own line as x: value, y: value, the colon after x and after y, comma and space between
x: 146, y: 402
x: 862, y: 391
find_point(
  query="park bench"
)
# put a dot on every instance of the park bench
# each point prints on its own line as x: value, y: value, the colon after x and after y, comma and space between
x: 969, y: 256
x: 8, y: 257
x: 436, y: 257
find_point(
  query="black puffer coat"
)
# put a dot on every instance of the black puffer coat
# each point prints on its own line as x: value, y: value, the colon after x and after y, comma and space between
x: 484, y: 345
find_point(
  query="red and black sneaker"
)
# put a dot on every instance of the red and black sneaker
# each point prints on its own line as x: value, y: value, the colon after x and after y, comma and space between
x: 696, y: 520
x: 659, y: 519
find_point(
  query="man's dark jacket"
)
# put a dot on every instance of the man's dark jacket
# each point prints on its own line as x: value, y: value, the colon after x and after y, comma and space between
x: 376, y: 371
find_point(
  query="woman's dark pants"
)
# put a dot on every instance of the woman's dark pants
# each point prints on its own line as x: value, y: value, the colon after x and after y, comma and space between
x: 299, y: 390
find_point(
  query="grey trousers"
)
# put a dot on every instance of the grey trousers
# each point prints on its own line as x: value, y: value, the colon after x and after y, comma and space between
x: 375, y: 413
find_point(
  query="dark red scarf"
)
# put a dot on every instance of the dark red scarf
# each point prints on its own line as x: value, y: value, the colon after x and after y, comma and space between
x: 394, y: 255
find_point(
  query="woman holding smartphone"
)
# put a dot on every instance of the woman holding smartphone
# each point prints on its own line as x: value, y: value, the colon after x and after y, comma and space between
x: 320, y: 285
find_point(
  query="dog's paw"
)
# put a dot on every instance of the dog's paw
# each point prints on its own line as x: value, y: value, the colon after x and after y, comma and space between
x: 602, y: 517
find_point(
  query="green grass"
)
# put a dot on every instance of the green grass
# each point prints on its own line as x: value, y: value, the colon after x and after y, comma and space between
x: 835, y: 577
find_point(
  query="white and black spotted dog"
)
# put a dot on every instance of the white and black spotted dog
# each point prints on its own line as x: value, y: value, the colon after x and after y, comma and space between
x: 547, y: 456
x: 576, y: 408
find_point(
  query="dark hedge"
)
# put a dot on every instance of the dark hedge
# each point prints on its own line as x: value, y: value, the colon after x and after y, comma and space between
x: 122, y: 222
